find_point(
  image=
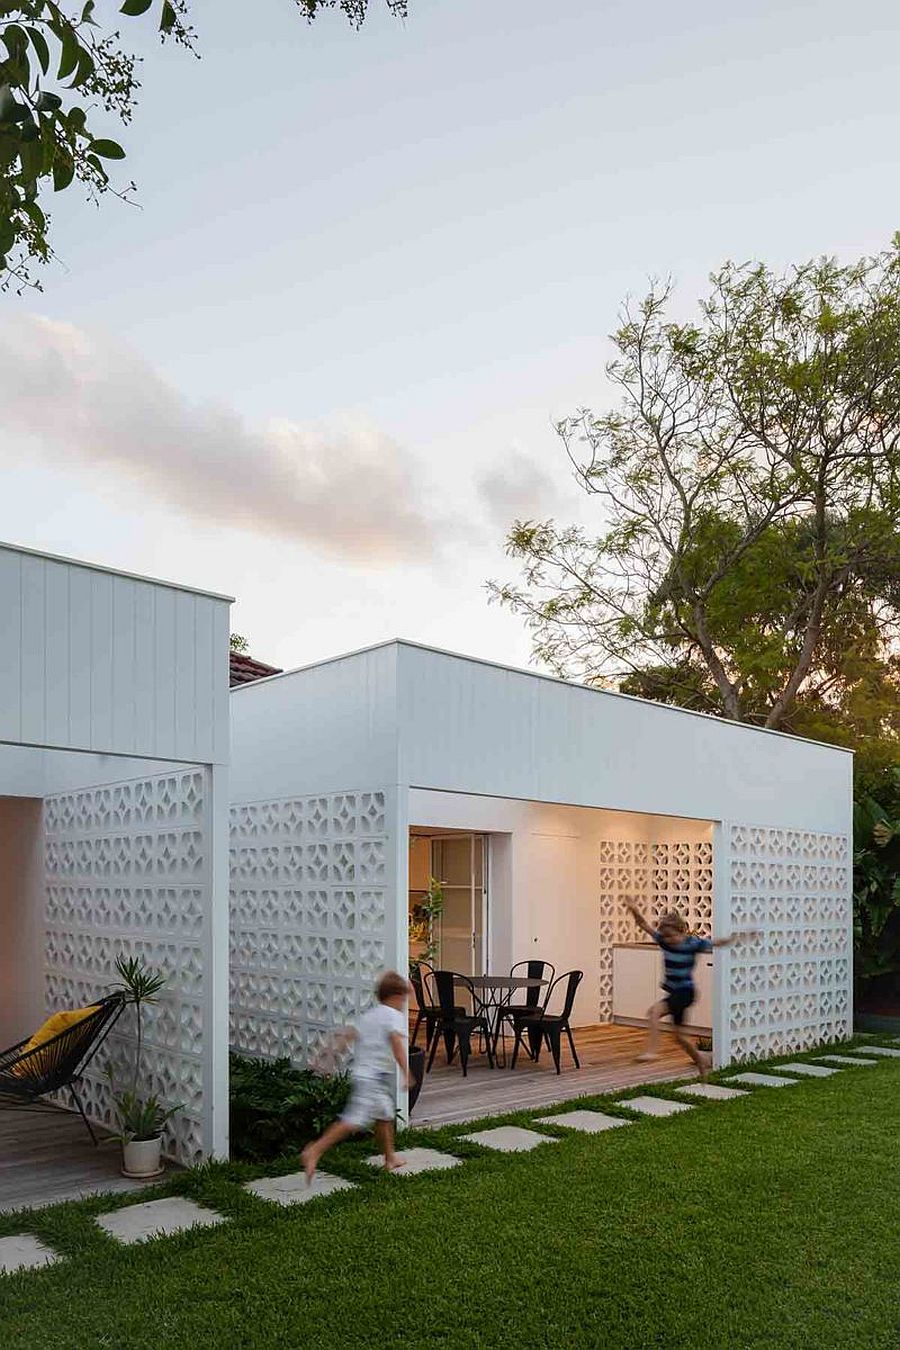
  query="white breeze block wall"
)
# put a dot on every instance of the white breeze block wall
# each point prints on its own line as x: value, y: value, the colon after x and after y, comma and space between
x: 791, y: 987
x: 656, y: 877
x: 127, y: 872
x: 309, y: 932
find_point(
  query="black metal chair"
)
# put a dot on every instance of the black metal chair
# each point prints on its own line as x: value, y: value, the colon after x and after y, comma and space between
x: 550, y: 1026
x: 455, y: 1026
x: 28, y: 1075
x: 421, y: 977
x: 529, y: 1011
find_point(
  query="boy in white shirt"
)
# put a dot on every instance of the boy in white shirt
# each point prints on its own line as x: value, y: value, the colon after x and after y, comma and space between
x: 380, y: 1042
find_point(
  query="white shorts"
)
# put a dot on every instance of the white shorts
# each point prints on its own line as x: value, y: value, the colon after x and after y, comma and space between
x: 371, y: 1099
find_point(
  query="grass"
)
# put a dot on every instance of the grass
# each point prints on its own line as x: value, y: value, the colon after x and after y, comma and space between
x: 764, y: 1222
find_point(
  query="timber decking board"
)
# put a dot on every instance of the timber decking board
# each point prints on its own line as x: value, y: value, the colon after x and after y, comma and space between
x: 607, y: 1055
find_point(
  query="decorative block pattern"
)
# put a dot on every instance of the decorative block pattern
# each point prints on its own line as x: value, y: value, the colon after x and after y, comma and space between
x: 790, y: 987
x: 656, y: 877
x: 309, y: 930
x: 126, y: 873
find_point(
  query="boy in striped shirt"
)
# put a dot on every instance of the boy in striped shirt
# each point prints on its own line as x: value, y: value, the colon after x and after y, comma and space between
x: 680, y: 949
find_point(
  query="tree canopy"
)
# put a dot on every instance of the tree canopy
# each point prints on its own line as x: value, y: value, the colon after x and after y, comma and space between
x: 64, y: 72
x: 747, y: 559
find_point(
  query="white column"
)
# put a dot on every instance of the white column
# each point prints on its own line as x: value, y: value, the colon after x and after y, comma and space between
x: 215, y: 1011
x: 721, y: 927
x: 397, y: 897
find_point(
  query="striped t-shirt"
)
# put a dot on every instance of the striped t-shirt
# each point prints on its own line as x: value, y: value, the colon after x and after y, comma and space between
x: 679, y: 961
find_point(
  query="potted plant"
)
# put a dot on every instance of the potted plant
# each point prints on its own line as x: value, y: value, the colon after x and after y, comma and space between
x: 141, y: 1119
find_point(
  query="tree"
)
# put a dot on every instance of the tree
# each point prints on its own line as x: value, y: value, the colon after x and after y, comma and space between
x: 238, y: 643
x: 61, y: 64
x: 749, y: 558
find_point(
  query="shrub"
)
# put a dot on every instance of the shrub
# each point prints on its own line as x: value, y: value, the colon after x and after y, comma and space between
x: 275, y: 1107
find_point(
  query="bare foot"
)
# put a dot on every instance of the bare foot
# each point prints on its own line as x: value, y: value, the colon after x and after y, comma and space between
x: 646, y: 1056
x: 309, y: 1160
x: 392, y: 1163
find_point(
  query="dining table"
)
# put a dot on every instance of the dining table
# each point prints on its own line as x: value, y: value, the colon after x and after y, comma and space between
x: 495, y: 993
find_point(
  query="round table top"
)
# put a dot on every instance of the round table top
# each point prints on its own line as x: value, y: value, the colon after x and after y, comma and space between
x: 502, y: 981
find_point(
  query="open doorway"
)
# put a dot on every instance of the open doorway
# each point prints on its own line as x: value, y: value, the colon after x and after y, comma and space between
x: 452, y: 867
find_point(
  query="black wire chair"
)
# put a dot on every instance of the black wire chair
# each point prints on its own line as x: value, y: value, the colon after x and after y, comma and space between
x: 28, y: 1075
x: 529, y: 1011
x: 549, y: 1027
x: 421, y: 977
x: 455, y: 1025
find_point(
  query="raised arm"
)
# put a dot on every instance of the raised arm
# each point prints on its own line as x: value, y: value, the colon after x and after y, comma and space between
x: 733, y: 938
x: 638, y: 917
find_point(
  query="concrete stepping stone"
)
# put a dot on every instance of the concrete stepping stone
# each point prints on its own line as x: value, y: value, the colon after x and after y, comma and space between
x: 656, y: 1106
x: 762, y: 1080
x: 711, y: 1092
x: 589, y: 1122
x: 805, y: 1070
x: 157, y: 1218
x: 24, y: 1252
x: 509, y: 1139
x: 294, y: 1189
x: 417, y: 1160
x: 881, y: 1050
x: 845, y: 1059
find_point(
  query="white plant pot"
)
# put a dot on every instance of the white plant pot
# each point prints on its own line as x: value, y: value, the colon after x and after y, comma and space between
x: 141, y: 1158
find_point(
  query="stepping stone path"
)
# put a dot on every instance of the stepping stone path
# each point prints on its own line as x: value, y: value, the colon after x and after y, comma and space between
x: 509, y: 1139
x: 589, y: 1122
x: 881, y: 1050
x: 294, y: 1189
x: 656, y: 1106
x: 762, y: 1080
x: 417, y: 1160
x: 845, y: 1059
x: 157, y: 1218
x: 24, y: 1252
x: 807, y: 1070
x: 711, y: 1092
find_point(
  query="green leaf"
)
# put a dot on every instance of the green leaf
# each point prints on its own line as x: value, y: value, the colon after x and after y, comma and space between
x: 135, y: 7
x: 39, y: 43
x: 48, y: 102
x: 108, y: 149
x: 71, y: 50
x: 167, y: 18
x: 63, y: 172
x: 85, y: 68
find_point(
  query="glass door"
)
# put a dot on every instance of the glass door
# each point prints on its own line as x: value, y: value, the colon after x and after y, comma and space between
x: 459, y: 863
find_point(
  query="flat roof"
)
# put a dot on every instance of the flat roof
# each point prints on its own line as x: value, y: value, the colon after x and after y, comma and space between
x: 534, y: 675
x: 113, y: 571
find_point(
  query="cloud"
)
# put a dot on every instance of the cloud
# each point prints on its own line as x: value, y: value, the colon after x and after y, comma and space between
x: 518, y: 489
x: 348, y: 491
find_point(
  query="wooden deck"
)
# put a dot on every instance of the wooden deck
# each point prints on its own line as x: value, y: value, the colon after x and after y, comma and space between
x: 607, y: 1055
x: 47, y: 1157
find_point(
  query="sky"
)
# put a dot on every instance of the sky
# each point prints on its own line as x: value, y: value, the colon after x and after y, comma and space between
x: 318, y: 365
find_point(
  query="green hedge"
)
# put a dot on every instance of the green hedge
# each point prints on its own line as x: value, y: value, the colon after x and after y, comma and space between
x: 275, y: 1107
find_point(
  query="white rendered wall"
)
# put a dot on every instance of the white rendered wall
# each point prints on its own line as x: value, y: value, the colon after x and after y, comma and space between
x: 559, y: 876
x: 94, y: 660
x: 21, y: 915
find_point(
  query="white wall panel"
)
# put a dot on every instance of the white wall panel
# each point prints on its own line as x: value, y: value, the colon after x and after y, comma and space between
x: 95, y: 660
x: 467, y: 726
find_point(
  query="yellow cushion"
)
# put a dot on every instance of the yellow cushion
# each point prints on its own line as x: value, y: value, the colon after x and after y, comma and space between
x: 55, y: 1025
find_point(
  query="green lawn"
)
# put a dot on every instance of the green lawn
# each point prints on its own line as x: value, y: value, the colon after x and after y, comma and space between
x: 765, y: 1222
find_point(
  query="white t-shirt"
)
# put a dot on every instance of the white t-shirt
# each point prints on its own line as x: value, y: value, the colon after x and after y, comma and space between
x: 372, y: 1054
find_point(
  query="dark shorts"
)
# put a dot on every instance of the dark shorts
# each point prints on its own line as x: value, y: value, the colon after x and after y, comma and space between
x: 678, y: 1001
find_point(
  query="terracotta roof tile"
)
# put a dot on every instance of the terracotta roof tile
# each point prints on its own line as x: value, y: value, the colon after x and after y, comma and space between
x: 244, y: 669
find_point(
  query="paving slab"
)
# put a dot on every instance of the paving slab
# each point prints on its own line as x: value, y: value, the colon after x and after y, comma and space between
x: 509, y: 1139
x: 881, y: 1050
x: 656, y: 1106
x: 157, y: 1218
x: 711, y: 1092
x: 294, y: 1189
x: 417, y: 1160
x: 21, y: 1251
x: 589, y: 1122
x: 845, y: 1059
x: 762, y: 1080
x: 805, y: 1070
